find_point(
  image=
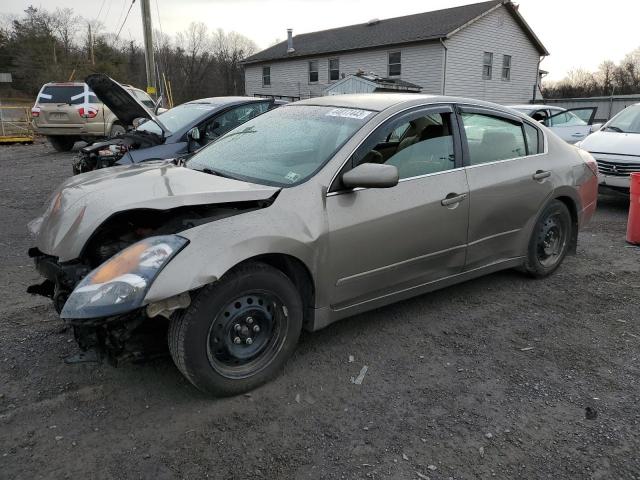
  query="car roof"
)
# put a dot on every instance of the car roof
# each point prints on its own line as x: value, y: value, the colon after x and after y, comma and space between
x: 535, y: 106
x: 223, y: 101
x: 82, y: 84
x: 64, y: 84
x: 382, y: 101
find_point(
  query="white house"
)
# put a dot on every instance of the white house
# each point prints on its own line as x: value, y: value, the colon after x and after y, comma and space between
x: 483, y: 50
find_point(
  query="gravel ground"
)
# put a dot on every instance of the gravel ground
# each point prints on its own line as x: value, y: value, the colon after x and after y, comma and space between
x: 490, y: 378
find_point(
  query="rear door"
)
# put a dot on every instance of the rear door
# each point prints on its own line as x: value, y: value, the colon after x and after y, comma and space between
x: 510, y: 178
x: 60, y: 106
x: 572, y: 125
x: 385, y: 240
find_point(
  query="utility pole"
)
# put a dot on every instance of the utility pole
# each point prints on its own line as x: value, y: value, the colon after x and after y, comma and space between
x: 148, y: 46
x: 92, y: 57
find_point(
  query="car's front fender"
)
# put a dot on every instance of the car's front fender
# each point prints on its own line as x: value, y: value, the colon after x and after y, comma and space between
x: 217, y: 247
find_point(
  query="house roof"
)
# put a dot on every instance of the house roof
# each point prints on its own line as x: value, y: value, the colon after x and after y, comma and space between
x: 378, y: 82
x: 420, y: 27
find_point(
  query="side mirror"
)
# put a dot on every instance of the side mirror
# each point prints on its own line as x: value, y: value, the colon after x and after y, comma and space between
x: 194, y: 134
x: 193, y: 139
x: 596, y: 126
x: 371, y: 175
x: 138, y: 121
x: 157, y: 107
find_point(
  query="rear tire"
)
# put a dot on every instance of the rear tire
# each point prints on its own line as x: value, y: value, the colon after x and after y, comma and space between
x: 550, y: 240
x: 238, y: 332
x: 62, y: 143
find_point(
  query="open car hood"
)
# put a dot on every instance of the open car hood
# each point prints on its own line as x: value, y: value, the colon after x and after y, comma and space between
x: 123, y: 105
x: 82, y: 203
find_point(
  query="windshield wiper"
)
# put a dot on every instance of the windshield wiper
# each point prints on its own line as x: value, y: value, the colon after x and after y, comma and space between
x: 615, y: 129
x: 210, y: 171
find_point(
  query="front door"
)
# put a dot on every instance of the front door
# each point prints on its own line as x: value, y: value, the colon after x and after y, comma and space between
x: 386, y: 240
x: 510, y: 178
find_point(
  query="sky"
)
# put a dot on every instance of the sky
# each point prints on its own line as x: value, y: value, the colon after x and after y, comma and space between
x: 578, y: 33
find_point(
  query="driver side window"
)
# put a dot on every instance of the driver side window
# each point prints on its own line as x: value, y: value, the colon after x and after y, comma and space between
x: 419, y: 146
x: 229, y: 120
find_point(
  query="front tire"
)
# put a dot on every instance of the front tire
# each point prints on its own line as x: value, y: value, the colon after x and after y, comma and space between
x: 116, y: 130
x: 549, y: 241
x: 62, y: 143
x: 238, y: 332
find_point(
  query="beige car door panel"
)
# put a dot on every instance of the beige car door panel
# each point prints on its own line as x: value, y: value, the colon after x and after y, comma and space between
x: 505, y: 194
x: 386, y: 240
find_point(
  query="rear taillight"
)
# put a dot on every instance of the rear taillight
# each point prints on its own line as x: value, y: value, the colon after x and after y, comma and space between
x: 35, y: 112
x: 87, y: 112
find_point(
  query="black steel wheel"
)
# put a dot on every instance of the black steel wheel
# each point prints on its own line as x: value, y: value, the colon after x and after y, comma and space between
x: 247, y: 334
x: 550, y: 240
x: 238, y: 332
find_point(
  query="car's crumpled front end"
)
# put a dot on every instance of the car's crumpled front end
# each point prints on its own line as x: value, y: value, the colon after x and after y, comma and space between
x: 107, y: 153
x: 106, y: 235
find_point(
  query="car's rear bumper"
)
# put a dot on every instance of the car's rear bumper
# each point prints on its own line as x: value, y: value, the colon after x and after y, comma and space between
x: 76, y: 130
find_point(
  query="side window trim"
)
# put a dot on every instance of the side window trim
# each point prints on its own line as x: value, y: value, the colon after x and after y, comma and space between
x: 334, y: 187
x: 540, y: 138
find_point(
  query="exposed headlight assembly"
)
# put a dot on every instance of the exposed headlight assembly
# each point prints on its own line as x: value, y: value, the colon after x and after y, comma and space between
x: 120, y: 284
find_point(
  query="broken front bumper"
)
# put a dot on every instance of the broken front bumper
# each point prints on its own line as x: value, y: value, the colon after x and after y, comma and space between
x: 60, y: 278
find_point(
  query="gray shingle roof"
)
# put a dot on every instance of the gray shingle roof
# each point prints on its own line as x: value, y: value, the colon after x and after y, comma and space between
x: 392, y: 31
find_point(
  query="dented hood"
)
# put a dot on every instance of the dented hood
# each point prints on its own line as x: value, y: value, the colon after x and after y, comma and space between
x: 81, y: 204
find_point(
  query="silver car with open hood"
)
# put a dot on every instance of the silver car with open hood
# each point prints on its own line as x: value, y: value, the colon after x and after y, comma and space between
x: 302, y: 216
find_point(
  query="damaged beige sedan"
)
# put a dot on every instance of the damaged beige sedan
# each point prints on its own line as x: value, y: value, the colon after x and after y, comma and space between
x: 307, y: 214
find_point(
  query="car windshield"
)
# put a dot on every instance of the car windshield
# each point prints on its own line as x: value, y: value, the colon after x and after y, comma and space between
x: 627, y: 121
x: 178, y: 117
x: 283, y: 147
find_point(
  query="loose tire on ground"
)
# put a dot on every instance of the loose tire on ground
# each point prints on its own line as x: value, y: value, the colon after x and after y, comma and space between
x: 62, y: 143
x: 550, y: 240
x: 203, y: 341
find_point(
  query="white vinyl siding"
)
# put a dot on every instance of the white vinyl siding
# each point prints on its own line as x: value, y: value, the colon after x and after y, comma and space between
x: 496, y: 32
x: 421, y: 64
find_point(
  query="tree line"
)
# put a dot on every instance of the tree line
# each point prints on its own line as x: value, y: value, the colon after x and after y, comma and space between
x: 41, y: 46
x: 610, y: 79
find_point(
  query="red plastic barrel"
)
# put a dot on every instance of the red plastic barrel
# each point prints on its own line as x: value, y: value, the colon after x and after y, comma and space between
x: 633, y: 224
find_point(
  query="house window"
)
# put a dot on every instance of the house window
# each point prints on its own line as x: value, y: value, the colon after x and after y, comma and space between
x: 334, y: 69
x: 506, y: 67
x: 487, y: 65
x: 266, y: 76
x: 313, y: 71
x: 395, y: 61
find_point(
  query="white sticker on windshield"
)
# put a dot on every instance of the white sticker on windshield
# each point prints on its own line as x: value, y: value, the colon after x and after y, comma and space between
x: 292, y: 176
x: 348, y: 113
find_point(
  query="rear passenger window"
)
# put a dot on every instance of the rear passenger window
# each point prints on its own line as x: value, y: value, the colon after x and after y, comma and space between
x: 491, y: 139
x: 417, y: 147
x: 531, y: 133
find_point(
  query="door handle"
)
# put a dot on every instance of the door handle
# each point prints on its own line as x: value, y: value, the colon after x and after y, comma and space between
x: 578, y: 135
x: 541, y: 175
x: 452, y: 199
